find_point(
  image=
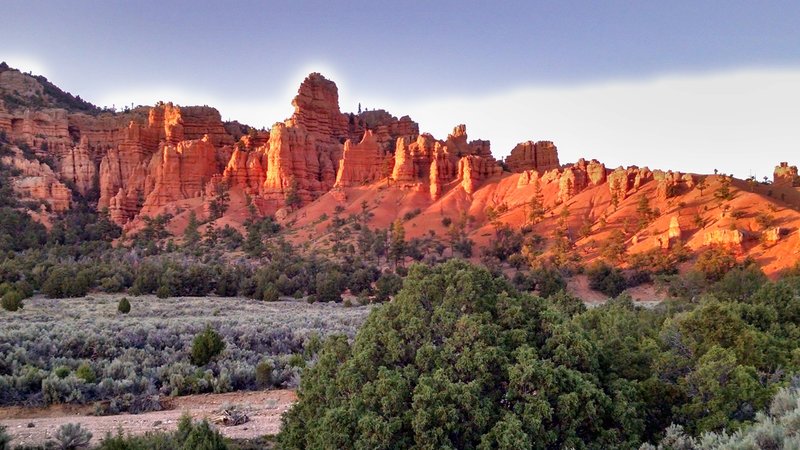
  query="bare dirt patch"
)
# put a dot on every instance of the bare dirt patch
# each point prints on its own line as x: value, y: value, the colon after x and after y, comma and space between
x: 645, y: 295
x: 264, y: 409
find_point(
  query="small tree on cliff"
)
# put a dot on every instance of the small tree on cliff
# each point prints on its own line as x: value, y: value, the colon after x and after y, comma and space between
x: 537, y: 210
x: 220, y: 202
x: 701, y: 186
x: 646, y: 214
x: 723, y: 192
x: 292, y: 196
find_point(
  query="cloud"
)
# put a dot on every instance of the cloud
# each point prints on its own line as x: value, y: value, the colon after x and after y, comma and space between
x: 740, y: 122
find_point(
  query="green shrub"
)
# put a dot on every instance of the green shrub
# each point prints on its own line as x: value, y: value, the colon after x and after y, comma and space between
x: 164, y: 291
x: 297, y: 360
x: 188, y: 436
x: 5, y: 438
x: 329, y: 286
x: 71, y: 436
x: 124, y: 306
x: 12, y: 300
x: 65, y: 282
x: 606, y: 279
x: 203, y: 437
x: 459, y: 359
x: 206, y: 346
x: 548, y: 281
x: 264, y: 375
x: 86, y: 373
x: 715, y: 262
x: 270, y: 293
x: 62, y: 371
x: 387, y: 286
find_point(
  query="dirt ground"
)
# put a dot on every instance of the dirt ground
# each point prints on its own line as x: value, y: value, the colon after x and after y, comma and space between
x: 645, y: 295
x: 264, y: 409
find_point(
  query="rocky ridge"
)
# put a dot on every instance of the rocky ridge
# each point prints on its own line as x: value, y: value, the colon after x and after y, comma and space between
x: 169, y: 158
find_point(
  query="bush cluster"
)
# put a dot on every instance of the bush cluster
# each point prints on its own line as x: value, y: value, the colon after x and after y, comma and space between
x: 461, y: 359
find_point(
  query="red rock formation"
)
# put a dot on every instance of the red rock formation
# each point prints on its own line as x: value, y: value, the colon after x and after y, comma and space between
x: 37, y: 182
x: 316, y: 107
x: 674, y: 231
x: 247, y: 169
x: 46, y: 189
x: 540, y: 156
x: 473, y: 169
x: 595, y: 172
x: 772, y: 235
x: 387, y: 128
x: 571, y: 180
x: 179, y: 172
x: 77, y: 166
x: 621, y: 181
x: 433, y: 178
x: 295, y: 156
x: 118, y: 165
x: 403, y: 172
x: 785, y: 175
x: 458, y: 146
x: 688, y: 180
x: 361, y: 163
x: 723, y: 237
x: 36, y: 127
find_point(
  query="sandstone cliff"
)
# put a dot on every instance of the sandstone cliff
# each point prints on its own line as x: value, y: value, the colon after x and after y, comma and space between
x: 540, y: 156
x: 361, y: 163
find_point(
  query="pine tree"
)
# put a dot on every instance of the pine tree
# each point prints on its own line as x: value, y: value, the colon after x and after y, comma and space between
x: 190, y: 235
x: 397, y: 241
x: 536, y: 204
x: 292, y: 195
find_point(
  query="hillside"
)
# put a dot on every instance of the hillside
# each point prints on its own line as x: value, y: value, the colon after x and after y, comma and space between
x: 320, y: 168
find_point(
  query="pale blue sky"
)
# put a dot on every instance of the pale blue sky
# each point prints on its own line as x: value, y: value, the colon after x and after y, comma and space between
x: 513, y: 70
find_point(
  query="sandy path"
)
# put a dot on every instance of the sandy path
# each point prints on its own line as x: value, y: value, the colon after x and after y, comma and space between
x: 263, y: 407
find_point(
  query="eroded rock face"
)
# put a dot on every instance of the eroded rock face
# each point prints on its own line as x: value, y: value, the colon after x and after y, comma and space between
x: 386, y: 128
x: 473, y: 169
x: 785, y: 175
x: 179, y: 172
x: 772, y: 235
x: 403, y: 171
x: 247, y: 169
x: 674, y: 231
x: 361, y: 163
x: 76, y: 165
x: 127, y: 171
x: 296, y: 158
x: 570, y: 183
x: 723, y: 237
x: 596, y: 172
x: 120, y: 164
x: 316, y: 107
x: 622, y: 181
x: 438, y: 163
x: 540, y: 156
x: 37, y: 182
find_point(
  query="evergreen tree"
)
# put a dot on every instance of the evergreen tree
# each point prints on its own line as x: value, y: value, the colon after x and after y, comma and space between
x: 292, y: 197
x: 190, y: 234
x: 536, y: 205
x: 397, y: 242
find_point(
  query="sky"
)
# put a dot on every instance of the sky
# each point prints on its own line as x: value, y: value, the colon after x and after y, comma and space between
x: 683, y: 85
